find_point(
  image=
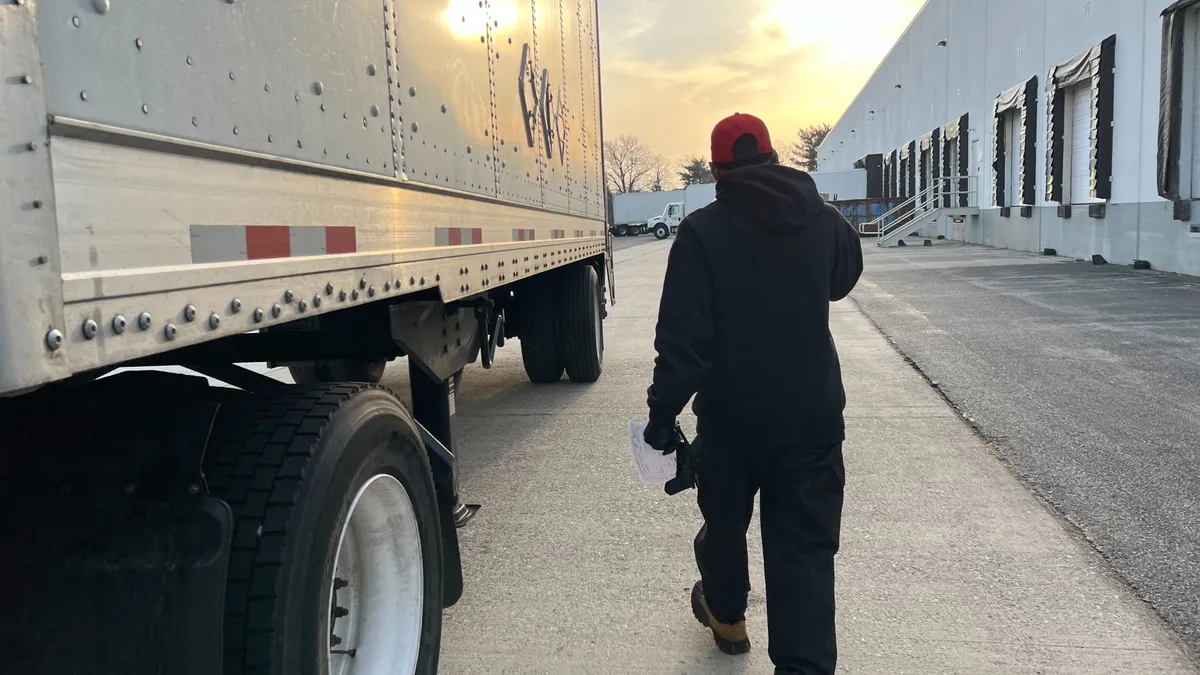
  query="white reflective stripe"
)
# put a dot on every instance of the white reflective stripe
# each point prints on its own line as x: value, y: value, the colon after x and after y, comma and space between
x: 307, y: 240
x: 218, y: 243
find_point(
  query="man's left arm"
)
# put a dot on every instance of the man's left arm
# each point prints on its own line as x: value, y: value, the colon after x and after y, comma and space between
x: 684, y: 332
x: 847, y: 257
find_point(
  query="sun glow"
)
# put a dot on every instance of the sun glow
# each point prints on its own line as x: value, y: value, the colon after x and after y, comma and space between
x: 846, y: 30
x: 467, y: 19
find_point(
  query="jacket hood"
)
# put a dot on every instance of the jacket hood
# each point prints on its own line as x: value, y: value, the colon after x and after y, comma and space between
x: 771, y: 196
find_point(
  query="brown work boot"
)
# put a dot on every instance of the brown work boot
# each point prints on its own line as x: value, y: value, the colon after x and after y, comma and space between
x: 731, y: 638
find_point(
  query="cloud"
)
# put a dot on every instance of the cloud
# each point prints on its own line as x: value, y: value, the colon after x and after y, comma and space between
x: 640, y: 18
x: 672, y: 68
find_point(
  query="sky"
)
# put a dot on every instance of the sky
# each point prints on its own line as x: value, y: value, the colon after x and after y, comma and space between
x: 673, y: 68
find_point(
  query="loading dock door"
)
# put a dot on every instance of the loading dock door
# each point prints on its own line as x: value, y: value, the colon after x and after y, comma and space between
x: 1194, y: 18
x: 1012, y: 158
x: 951, y: 186
x: 1081, y: 143
x: 927, y: 172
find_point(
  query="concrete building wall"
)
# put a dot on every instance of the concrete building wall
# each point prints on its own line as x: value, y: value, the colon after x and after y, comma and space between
x: 993, y: 45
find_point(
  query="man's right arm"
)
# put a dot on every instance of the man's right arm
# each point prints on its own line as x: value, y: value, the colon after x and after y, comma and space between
x: 847, y: 258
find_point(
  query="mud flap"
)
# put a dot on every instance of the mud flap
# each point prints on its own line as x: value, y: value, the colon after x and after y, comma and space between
x: 611, y: 287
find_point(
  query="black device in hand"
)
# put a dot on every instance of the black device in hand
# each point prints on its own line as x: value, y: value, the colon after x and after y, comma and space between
x: 685, y: 465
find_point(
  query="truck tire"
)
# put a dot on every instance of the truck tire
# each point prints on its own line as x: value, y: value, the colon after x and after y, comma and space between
x: 622, y: 231
x: 583, y: 328
x: 341, y: 370
x: 539, y: 332
x: 661, y: 231
x: 332, y: 494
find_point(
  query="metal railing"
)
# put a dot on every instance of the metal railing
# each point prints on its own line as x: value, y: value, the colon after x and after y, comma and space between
x: 945, y: 193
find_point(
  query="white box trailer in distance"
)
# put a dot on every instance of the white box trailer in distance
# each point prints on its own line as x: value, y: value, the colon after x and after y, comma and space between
x: 699, y: 196
x: 695, y: 197
x: 841, y: 185
x: 631, y: 210
x: 326, y: 186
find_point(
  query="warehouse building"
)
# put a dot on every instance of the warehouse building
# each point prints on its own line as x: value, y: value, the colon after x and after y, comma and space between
x: 1071, y: 125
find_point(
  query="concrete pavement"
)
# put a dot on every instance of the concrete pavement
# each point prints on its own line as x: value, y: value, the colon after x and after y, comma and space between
x: 1085, y: 378
x: 948, y: 565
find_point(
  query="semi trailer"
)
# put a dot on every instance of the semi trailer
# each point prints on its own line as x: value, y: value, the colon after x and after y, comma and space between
x: 695, y: 197
x: 321, y: 186
x: 631, y: 210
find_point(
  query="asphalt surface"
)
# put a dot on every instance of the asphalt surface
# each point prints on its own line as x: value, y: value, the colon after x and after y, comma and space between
x: 1086, y: 379
x: 622, y: 243
x: 948, y: 565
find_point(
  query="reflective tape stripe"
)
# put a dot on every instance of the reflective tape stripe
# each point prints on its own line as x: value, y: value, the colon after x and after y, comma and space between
x: 457, y: 236
x: 230, y: 243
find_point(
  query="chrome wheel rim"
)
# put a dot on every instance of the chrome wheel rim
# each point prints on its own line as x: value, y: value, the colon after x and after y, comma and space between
x: 377, y: 591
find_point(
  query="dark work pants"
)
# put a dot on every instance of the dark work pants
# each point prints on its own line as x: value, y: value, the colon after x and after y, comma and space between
x: 801, y: 524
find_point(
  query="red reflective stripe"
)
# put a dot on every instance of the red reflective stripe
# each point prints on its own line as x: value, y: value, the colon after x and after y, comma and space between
x: 455, y: 234
x: 268, y: 241
x: 340, y: 240
x: 477, y: 235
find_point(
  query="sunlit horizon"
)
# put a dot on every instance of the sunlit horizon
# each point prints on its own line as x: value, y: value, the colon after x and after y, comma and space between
x: 672, y: 68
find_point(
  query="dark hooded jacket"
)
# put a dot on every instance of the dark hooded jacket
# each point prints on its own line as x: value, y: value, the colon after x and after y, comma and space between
x: 744, y: 318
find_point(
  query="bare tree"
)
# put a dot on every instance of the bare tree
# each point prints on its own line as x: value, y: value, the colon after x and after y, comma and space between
x: 803, y: 153
x: 628, y: 164
x: 662, y: 175
x: 695, y: 171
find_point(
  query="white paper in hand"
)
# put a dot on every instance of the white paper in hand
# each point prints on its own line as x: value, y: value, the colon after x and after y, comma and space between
x: 653, y: 467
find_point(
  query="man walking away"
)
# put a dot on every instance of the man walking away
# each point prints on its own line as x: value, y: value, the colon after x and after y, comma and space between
x: 744, y: 325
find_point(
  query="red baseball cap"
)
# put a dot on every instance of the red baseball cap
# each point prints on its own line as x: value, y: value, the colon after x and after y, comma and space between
x: 729, y: 130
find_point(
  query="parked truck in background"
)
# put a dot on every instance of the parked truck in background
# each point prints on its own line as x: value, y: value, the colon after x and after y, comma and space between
x: 698, y: 196
x: 631, y: 210
x: 695, y: 197
x: 208, y: 184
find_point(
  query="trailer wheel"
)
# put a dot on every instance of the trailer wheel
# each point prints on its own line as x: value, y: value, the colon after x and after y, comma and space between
x: 583, y: 326
x: 341, y: 370
x: 661, y: 231
x: 622, y: 231
x: 538, y: 328
x: 336, y: 564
